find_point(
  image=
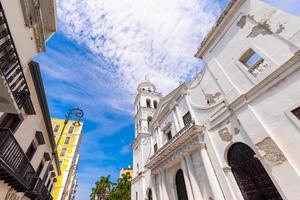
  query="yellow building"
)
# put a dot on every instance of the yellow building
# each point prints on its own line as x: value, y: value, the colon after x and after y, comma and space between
x: 69, y: 143
x: 126, y: 170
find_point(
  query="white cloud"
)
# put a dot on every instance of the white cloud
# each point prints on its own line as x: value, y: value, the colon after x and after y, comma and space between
x: 157, y: 38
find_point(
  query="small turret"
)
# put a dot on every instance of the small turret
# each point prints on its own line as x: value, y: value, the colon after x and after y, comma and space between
x: 146, y: 102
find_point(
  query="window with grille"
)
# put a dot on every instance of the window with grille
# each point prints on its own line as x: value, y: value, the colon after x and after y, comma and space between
x: 254, y: 62
x: 187, y: 119
x: 296, y: 112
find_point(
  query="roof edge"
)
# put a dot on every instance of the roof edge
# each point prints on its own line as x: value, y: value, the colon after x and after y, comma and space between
x: 214, y: 32
x: 39, y: 87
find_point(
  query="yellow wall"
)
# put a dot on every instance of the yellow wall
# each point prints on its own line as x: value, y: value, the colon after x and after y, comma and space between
x: 126, y: 170
x: 69, y: 159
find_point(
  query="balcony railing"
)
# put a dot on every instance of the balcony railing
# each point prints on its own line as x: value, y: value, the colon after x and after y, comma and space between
x: 39, y: 190
x: 10, y: 67
x: 15, y: 168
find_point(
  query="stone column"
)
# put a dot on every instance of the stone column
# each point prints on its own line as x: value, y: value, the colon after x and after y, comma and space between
x: 180, y: 120
x: 160, y: 186
x: 177, y: 127
x: 154, y: 186
x: 163, y: 185
x: 212, y: 178
x: 159, y: 138
x: 187, y: 180
x: 193, y: 177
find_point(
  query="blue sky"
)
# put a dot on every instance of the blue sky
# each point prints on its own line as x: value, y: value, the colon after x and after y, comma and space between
x: 103, y: 49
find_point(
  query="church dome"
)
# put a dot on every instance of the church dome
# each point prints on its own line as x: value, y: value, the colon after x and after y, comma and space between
x: 146, y: 85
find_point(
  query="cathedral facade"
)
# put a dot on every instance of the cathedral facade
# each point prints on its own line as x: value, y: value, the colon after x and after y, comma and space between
x: 233, y: 132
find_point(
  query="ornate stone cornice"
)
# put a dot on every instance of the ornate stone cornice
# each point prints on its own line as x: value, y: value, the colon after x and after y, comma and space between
x: 179, y: 153
x: 33, y: 19
x: 175, y: 143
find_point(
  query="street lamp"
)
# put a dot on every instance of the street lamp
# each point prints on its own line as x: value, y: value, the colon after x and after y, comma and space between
x: 75, y: 114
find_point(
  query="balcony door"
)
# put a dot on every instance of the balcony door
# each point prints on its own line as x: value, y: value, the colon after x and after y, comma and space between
x: 250, y: 175
x: 180, y: 186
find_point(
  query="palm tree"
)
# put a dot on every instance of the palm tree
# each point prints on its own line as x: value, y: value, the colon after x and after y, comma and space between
x: 122, y: 190
x: 101, y: 189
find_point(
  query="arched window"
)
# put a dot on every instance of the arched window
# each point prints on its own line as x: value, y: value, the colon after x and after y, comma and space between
x: 149, y: 119
x: 250, y: 175
x: 180, y: 186
x: 148, y: 102
x: 155, y: 104
x: 150, y: 197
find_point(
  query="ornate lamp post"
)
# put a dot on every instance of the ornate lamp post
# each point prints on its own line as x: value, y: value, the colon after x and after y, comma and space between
x: 75, y: 114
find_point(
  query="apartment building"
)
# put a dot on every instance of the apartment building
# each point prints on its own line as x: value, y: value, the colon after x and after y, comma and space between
x: 68, y: 141
x: 126, y: 170
x: 28, y: 161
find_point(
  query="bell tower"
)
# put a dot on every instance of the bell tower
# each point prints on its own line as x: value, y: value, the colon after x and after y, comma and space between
x: 146, y: 103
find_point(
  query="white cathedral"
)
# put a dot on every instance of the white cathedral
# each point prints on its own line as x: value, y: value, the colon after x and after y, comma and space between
x: 233, y: 133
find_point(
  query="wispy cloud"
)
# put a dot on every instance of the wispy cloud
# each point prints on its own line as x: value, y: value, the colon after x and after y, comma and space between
x: 156, y: 38
x: 104, y: 48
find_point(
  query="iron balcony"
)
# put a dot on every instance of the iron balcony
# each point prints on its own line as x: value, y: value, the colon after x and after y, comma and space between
x: 13, y: 87
x: 17, y: 171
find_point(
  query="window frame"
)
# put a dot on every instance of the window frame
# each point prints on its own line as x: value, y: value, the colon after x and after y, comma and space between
x: 291, y: 116
x: 155, y: 104
x: 148, y: 103
x: 56, y: 126
x: 155, y: 148
x: 31, y: 150
x: 69, y: 140
x: 63, y: 152
x: 71, y: 132
x: 10, y: 121
x: 187, y: 123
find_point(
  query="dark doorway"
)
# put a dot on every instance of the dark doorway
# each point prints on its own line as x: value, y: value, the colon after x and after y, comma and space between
x: 180, y: 186
x: 150, y: 195
x: 250, y: 175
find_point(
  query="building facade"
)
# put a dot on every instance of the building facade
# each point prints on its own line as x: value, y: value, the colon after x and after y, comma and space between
x: 234, y: 131
x: 127, y: 170
x: 68, y: 151
x: 28, y: 161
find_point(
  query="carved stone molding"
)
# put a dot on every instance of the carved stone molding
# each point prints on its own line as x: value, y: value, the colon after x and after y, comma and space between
x: 179, y: 153
x: 269, y: 150
x: 225, y: 135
